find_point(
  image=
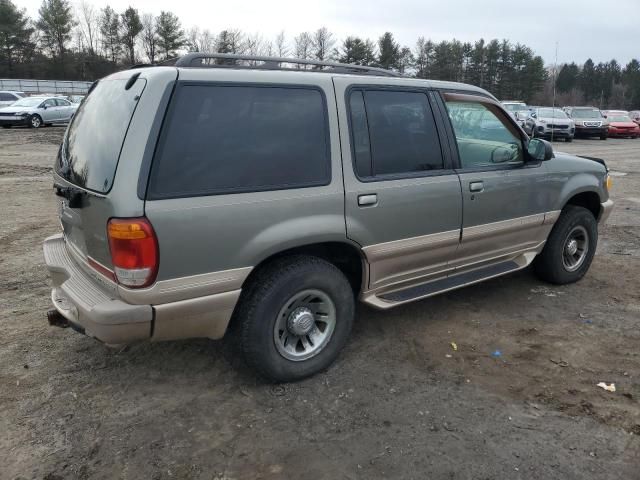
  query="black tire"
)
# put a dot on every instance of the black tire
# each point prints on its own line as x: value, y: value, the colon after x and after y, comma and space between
x: 550, y: 264
x: 603, y: 137
x: 35, y: 121
x: 267, y: 296
x: 7, y: 126
x: 568, y: 139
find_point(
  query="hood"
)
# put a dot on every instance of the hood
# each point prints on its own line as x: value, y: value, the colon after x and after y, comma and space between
x: 623, y: 124
x: 556, y: 120
x: 15, y: 109
x: 580, y: 163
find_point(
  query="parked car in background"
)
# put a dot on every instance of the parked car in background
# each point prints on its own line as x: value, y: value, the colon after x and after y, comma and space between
x: 518, y: 110
x: 621, y: 125
x: 7, y: 97
x: 635, y: 116
x: 548, y: 122
x: 76, y: 98
x: 589, y: 122
x: 37, y: 111
x: 346, y: 188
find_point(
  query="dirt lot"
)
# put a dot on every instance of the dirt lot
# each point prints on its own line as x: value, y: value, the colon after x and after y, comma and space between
x: 399, y: 403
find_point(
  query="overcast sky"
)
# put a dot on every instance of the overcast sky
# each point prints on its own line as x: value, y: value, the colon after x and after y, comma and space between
x: 584, y: 28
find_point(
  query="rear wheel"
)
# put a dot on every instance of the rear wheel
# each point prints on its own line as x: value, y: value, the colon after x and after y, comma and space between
x: 35, y: 121
x: 6, y: 126
x: 569, y: 250
x: 295, y: 318
x: 568, y: 139
x: 603, y: 137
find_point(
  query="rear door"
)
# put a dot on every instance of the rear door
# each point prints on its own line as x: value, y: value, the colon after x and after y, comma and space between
x: 505, y: 196
x: 64, y: 108
x: 402, y: 197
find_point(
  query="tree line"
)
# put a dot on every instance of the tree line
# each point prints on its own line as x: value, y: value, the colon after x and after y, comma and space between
x: 85, y: 43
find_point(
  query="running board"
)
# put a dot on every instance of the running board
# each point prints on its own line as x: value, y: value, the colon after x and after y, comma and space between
x: 450, y: 283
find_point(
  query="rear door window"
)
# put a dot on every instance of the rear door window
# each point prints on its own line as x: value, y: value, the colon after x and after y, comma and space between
x: 92, y: 144
x: 231, y: 139
x: 393, y: 132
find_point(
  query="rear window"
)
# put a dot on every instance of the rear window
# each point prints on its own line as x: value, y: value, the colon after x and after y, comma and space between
x: 92, y: 144
x: 230, y: 139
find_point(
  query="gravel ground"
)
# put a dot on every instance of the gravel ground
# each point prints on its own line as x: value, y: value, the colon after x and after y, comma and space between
x: 399, y: 403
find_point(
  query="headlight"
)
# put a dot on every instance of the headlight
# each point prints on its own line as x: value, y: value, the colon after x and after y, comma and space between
x: 607, y: 182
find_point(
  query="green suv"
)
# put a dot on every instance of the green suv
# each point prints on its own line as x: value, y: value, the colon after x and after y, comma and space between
x: 261, y: 197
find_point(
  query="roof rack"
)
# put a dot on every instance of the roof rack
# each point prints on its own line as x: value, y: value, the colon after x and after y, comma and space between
x: 230, y: 60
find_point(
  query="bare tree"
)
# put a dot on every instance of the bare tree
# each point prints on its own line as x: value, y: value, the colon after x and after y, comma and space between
x: 148, y: 37
x: 207, y: 41
x: 281, y: 48
x: 193, y: 40
x: 253, y: 45
x: 322, y: 43
x: 88, y: 25
x: 303, y: 46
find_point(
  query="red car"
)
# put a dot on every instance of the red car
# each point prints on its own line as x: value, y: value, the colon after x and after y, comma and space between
x: 621, y: 125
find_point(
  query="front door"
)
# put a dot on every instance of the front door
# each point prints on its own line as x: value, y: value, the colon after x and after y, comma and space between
x: 504, y: 194
x: 402, y: 197
x: 49, y: 111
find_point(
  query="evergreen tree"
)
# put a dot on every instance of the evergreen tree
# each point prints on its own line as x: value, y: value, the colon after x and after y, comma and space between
x: 357, y: 51
x: 110, y: 31
x: 389, y: 51
x: 15, y: 35
x: 568, y: 77
x: 55, y: 24
x: 131, y: 27
x: 170, y: 34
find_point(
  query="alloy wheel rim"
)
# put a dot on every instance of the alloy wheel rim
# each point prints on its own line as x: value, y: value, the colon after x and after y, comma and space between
x: 35, y: 122
x: 305, y: 324
x: 575, y: 249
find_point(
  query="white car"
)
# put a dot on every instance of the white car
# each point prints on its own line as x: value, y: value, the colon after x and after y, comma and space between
x: 35, y: 112
x: 7, y: 97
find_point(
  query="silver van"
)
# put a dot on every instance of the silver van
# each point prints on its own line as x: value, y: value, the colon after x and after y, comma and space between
x: 261, y: 197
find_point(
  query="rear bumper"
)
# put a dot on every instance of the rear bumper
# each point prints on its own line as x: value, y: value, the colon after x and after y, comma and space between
x: 96, y: 308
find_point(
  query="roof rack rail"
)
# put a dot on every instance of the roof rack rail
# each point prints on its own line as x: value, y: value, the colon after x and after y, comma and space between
x: 231, y: 60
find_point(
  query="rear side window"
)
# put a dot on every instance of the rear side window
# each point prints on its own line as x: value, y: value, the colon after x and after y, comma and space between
x: 91, y: 147
x: 230, y: 139
x: 393, y: 132
x: 6, y: 97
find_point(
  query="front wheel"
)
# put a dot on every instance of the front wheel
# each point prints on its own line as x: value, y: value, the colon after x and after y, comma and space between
x: 570, y: 247
x: 35, y: 121
x: 295, y: 318
x: 568, y: 139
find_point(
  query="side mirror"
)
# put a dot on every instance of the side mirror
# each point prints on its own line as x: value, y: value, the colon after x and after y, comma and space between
x: 540, y: 150
x: 44, y: 107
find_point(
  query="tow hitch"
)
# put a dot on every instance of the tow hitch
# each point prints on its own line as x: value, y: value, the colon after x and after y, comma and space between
x: 55, y: 319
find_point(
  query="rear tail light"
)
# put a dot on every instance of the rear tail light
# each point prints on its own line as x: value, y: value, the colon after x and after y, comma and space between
x: 134, y: 251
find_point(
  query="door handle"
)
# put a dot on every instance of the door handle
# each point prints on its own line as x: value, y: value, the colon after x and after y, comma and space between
x: 476, y: 186
x: 367, y: 200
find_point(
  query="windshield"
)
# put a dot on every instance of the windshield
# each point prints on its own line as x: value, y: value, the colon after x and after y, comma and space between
x: 619, y: 118
x: 586, y: 113
x: 91, y: 147
x: 551, y: 113
x: 28, y: 102
x: 515, y: 107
